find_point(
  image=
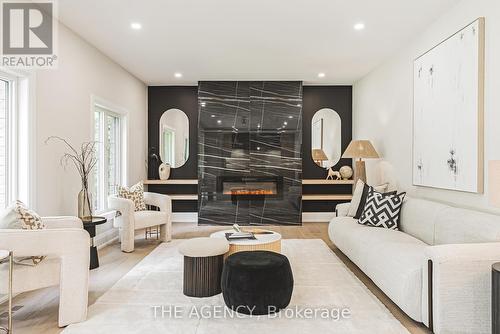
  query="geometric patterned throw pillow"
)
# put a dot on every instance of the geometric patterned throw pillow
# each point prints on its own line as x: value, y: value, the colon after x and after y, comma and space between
x: 29, y: 220
x: 382, y: 210
x: 134, y: 193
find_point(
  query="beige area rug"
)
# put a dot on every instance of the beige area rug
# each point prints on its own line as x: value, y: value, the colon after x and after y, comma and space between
x: 149, y: 299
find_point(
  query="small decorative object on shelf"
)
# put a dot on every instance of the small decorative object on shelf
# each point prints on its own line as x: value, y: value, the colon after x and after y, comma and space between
x: 164, y: 171
x: 346, y: 172
x: 84, y: 161
x: 333, y: 175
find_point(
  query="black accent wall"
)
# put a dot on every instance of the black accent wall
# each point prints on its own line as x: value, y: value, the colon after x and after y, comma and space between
x: 185, y: 98
x: 161, y: 99
x: 338, y: 98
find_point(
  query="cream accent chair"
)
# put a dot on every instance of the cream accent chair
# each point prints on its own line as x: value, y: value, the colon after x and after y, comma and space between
x: 130, y: 220
x: 66, y: 246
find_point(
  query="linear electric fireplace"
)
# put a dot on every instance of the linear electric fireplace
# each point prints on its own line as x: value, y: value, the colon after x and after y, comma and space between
x: 248, y: 188
x: 249, y: 153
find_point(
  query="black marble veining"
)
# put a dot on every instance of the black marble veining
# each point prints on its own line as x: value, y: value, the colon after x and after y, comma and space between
x: 250, y: 130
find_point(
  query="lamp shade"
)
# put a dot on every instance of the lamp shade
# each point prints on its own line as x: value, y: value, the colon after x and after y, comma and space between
x: 319, y: 155
x: 360, y: 149
x: 494, y: 183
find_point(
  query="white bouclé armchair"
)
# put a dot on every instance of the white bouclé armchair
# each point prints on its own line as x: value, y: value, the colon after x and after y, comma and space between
x: 65, y: 244
x: 130, y: 220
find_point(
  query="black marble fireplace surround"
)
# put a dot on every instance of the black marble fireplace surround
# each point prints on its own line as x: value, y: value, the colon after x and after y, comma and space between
x: 249, y: 153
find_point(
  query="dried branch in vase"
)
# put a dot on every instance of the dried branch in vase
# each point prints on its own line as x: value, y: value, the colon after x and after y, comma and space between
x: 84, y: 160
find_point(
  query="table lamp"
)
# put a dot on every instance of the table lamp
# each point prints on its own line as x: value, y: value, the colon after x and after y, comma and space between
x: 319, y: 156
x: 360, y: 149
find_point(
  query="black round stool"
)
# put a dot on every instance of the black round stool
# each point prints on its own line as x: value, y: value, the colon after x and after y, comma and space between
x: 257, y: 282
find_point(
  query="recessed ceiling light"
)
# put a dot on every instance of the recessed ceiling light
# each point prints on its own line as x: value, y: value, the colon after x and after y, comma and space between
x: 219, y: 121
x: 178, y: 75
x: 359, y: 26
x: 321, y: 75
x: 136, y: 25
x: 213, y: 116
x: 299, y: 105
x: 285, y: 123
x: 290, y: 116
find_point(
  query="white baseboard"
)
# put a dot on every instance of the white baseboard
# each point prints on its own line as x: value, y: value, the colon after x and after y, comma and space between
x: 185, y: 217
x: 106, y: 237
x: 317, y: 217
x: 106, y: 243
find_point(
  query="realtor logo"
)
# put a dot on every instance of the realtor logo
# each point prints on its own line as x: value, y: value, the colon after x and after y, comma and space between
x: 28, y: 34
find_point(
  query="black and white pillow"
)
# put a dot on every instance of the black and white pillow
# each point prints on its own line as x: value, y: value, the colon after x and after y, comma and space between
x: 382, y: 210
x: 359, y: 197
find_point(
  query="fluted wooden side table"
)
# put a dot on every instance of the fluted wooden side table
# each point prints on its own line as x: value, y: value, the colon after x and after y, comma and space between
x: 4, y: 255
x: 268, y: 242
x: 203, y: 262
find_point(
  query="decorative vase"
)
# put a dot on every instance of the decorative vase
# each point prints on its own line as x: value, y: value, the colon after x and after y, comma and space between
x: 84, y: 204
x: 164, y: 171
x: 346, y: 172
x: 153, y: 163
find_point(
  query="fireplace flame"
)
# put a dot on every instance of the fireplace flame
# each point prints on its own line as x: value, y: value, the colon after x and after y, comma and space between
x: 249, y: 192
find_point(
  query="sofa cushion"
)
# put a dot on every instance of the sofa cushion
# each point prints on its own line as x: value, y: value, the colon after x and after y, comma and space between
x: 28, y: 278
x: 454, y: 226
x: 149, y: 218
x: 418, y: 218
x: 392, y: 259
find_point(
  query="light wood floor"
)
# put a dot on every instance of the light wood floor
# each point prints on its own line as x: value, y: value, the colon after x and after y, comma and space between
x: 39, y: 309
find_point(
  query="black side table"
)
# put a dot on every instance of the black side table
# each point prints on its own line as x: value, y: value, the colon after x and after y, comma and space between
x: 495, y: 298
x: 89, y: 224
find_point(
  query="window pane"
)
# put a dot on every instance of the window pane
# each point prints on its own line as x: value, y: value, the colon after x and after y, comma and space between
x: 113, y: 138
x: 108, y: 172
x: 3, y: 142
x: 96, y: 186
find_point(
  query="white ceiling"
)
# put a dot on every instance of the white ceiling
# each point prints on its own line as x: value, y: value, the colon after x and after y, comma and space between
x: 249, y: 40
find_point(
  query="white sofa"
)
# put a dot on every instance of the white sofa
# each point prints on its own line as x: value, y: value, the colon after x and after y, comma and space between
x: 130, y: 220
x: 457, y: 246
x: 66, y: 245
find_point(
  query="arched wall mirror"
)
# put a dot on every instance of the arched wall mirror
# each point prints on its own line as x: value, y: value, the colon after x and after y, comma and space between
x: 174, y: 138
x: 326, y: 138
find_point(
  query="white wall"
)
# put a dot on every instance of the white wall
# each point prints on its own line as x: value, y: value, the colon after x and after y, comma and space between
x: 382, y: 103
x: 63, y: 108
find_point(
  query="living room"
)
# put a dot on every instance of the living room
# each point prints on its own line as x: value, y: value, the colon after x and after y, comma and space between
x: 218, y: 166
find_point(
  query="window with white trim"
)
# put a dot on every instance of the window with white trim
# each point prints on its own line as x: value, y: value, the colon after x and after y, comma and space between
x: 16, y: 134
x: 108, y: 134
x: 5, y: 88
